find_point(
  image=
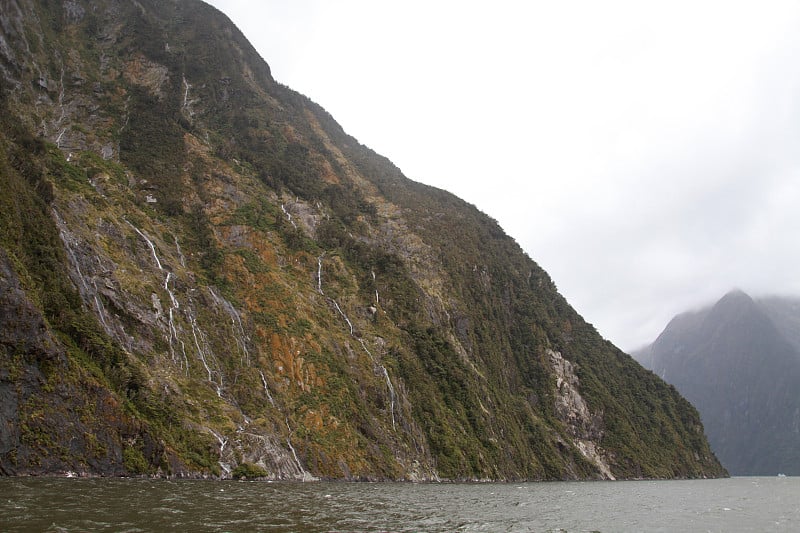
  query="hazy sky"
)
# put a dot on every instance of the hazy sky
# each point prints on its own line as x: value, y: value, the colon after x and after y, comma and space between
x: 645, y: 154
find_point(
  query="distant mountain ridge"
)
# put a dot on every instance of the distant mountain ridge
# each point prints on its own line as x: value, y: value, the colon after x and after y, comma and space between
x: 203, y: 275
x: 738, y: 362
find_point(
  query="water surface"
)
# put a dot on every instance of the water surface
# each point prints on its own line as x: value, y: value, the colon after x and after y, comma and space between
x: 61, y: 505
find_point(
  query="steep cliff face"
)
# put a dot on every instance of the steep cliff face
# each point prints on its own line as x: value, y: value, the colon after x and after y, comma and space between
x: 216, y: 280
x: 734, y: 361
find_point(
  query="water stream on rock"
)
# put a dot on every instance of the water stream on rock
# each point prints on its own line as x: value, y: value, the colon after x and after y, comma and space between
x: 374, y: 360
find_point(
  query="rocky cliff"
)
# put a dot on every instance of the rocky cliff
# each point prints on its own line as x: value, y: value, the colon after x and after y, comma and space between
x: 738, y: 363
x: 203, y: 275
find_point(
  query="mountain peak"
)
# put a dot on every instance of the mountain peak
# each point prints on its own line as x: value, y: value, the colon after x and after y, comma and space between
x: 734, y: 307
x: 738, y: 363
x: 736, y: 296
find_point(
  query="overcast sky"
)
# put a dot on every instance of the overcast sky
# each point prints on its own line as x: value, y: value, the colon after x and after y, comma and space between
x: 645, y: 154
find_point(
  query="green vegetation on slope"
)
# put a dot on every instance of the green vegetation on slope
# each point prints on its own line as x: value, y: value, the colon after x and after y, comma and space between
x: 256, y: 294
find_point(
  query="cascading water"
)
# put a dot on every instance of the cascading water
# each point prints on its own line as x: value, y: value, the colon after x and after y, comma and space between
x: 347, y: 320
x: 266, y: 389
x: 173, y: 336
x: 223, y: 441
x: 200, y: 350
x: 186, y: 88
x: 188, y: 102
x: 180, y: 253
x: 386, y: 376
x: 174, y: 305
x: 205, y: 354
x: 88, y: 289
x: 375, y: 362
x: 242, y: 339
x: 203, y: 351
x: 63, y: 110
x: 294, y: 452
x: 288, y: 216
x: 319, y: 274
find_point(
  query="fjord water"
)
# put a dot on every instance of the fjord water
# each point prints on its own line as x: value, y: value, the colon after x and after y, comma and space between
x: 60, y: 505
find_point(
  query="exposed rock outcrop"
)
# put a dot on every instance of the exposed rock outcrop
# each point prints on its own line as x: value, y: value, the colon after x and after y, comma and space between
x: 585, y: 427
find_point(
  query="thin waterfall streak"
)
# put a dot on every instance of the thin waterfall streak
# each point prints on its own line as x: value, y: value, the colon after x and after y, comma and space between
x: 349, y: 324
x: 174, y: 304
x: 180, y: 253
x: 288, y: 216
x: 319, y: 274
x: 185, y: 357
x: 389, y: 385
x: 294, y: 453
x: 223, y: 441
x: 242, y: 339
x: 67, y: 239
x: 205, y: 353
x: 200, y: 351
x: 186, y: 93
x: 172, y: 336
x: 75, y: 263
x: 391, y: 395
x: 63, y: 110
x: 101, y: 313
x: 149, y: 243
x: 173, y: 300
x: 266, y: 389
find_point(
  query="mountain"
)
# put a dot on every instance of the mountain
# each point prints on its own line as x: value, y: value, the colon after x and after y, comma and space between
x: 738, y: 362
x: 203, y: 275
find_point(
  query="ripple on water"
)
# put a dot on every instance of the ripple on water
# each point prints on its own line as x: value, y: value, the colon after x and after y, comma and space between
x: 71, y: 505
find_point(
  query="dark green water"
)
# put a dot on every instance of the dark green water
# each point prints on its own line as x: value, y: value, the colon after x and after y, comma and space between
x: 739, y: 504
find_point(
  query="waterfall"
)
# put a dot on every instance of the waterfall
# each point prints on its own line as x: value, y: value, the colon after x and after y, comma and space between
x: 172, y: 299
x: 187, y: 101
x: 294, y: 453
x: 149, y: 243
x: 288, y: 216
x: 204, y: 353
x: 63, y: 110
x: 174, y: 305
x: 386, y: 376
x: 173, y: 336
x: 200, y: 342
x: 319, y: 274
x: 200, y: 351
x: 186, y: 88
x: 180, y: 253
x: 101, y: 312
x: 349, y: 324
x: 375, y: 362
x: 266, y: 389
x: 223, y: 441
x: 242, y: 339
x: 70, y: 241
